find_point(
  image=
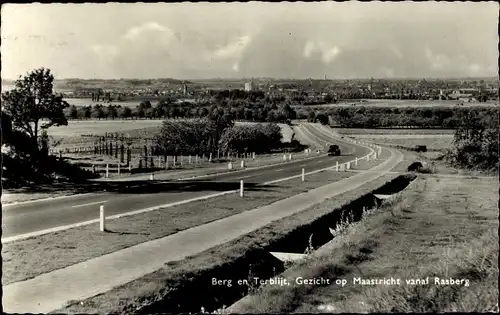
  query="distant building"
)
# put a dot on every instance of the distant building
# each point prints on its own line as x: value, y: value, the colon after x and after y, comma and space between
x: 248, y: 86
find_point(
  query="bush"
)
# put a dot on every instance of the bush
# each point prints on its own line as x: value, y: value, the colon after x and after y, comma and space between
x: 259, y: 138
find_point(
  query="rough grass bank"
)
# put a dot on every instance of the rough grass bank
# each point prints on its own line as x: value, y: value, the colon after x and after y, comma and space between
x: 445, y: 228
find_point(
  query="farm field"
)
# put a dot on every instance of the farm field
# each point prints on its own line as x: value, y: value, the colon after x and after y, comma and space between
x: 409, y: 103
x: 71, y: 135
x: 79, y: 102
x: 434, y: 139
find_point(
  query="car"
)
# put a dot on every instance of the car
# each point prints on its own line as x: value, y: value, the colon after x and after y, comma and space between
x: 334, y: 150
x: 421, y: 148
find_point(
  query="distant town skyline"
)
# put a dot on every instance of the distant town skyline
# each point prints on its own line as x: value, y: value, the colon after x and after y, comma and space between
x: 200, y: 41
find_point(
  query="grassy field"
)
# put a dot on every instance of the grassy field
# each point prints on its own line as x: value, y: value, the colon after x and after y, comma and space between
x: 79, y: 102
x: 408, y: 103
x: 71, y: 135
x: 434, y: 139
x: 439, y: 227
x: 19, y: 257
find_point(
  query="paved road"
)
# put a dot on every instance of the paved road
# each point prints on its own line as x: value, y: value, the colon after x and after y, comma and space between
x: 50, y: 291
x: 137, y: 194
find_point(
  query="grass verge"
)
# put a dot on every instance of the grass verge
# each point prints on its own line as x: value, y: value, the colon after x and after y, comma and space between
x: 30, y: 257
x: 445, y: 228
x: 160, y: 284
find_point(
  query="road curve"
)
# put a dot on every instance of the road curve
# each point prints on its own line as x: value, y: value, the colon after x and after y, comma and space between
x: 122, y: 197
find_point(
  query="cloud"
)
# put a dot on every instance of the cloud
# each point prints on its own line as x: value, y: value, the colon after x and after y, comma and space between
x: 437, y: 61
x: 234, y: 49
x: 396, y: 52
x: 136, y: 31
x: 328, y: 53
x: 105, y: 50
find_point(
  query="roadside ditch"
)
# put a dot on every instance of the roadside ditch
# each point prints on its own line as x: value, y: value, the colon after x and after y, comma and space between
x: 197, y: 290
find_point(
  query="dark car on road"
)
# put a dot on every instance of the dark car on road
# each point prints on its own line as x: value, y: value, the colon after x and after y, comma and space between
x: 334, y: 150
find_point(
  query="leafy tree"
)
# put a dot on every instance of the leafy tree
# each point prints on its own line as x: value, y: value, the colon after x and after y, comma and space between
x: 73, y: 112
x: 33, y: 106
x: 322, y: 118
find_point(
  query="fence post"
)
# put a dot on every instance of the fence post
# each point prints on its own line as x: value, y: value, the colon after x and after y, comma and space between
x: 159, y: 161
x: 173, y: 161
x: 284, y: 157
x: 152, y: 176
x: 107, y: 170
x: 303, y: 174
x: 230, y: 166
x: 130, y: 167
x: 242, y: 164
x: 118, y: 168
x: 210, y: 158
x: 189, y: 159
x: 196, y: 158
x: 356, y: 162
x: 253, y: 155
x: 290, y: 156
x: 241, y: 188
x: 102, y: 225
x: 336, y: 166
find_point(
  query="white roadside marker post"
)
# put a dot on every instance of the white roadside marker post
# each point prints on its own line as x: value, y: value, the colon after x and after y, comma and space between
x: 189, y: 159
x: 303, y: 174
x: 130, y: 167
x: 241, y: 188
x: 356, y: 162
x: 230, y: 165
x: 253, y: 155
x: 242, y: 164
x: 152, y: 176
x: 337, y: 166
x: 284, y: 157
x: 118, y: 168
x: 107, y: 170
x: 290, y: 156
x: 102, y: 221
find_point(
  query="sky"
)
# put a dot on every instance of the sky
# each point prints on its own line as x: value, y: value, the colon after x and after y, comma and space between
x: 341, y: 40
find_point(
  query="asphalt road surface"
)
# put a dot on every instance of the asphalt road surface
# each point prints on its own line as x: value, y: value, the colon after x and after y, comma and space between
x: 136, y: 194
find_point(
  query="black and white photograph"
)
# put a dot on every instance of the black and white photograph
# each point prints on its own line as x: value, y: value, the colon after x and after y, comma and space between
x: 250, y: 157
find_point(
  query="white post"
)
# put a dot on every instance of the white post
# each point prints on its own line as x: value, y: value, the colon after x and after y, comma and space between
x: 230, y: 166
x: 152, y: 176
x: 303, y: 174
x: 189, y: 159
x: 173, y: 161
x: 182, y: 159
x: 102, y: 225
x: 337, y: 166
x: 356, y: 162
x: 196, y: 158
x: 253, y: 155
x: 159, y: 161
x: 210, y: 158
x: 290, y: 156
x: 242, y: 164
x: 241, y: 188
x: 118, y: 168
x: 348, y: 165
x: 107, y: 170
x: 130, y: 167
x: 306, y: 151
x: 284, y: 157
x: 166, y: 162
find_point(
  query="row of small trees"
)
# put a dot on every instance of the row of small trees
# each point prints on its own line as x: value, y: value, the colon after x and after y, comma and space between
x: 386, y: 117
x: 216, y: 136
x: 239, y: 110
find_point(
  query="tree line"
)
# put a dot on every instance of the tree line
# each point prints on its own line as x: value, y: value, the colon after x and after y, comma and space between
x: 418, y: 117
x: 238, y: 109
x: 215, y: 136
